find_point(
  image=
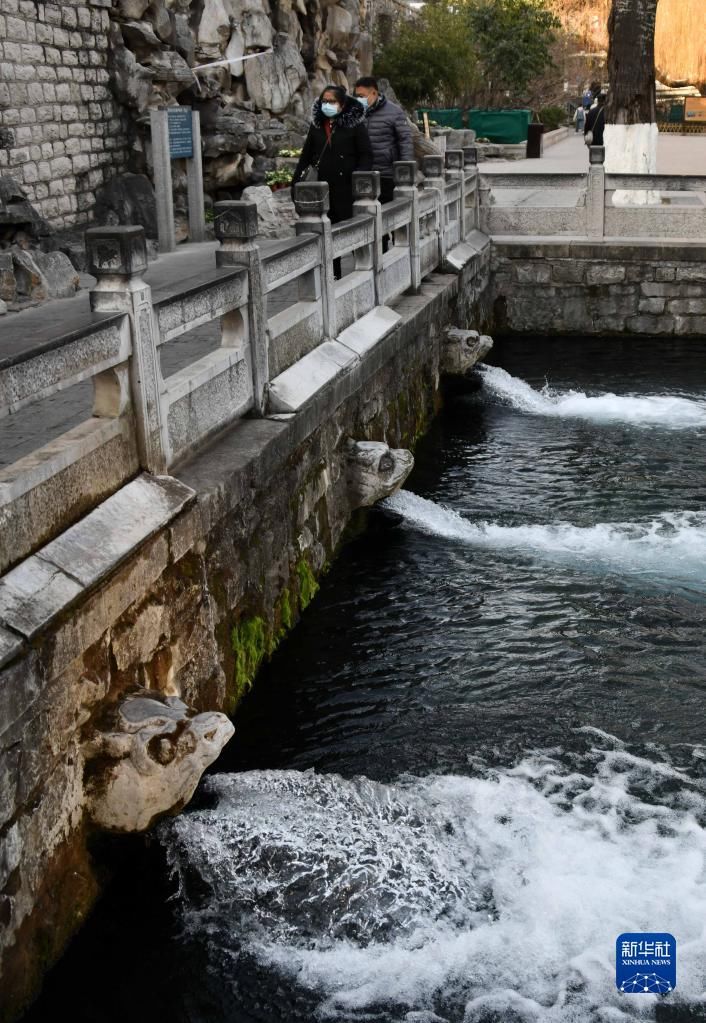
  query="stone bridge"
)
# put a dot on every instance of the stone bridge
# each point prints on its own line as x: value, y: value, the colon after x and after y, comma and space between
x: 192, y: 446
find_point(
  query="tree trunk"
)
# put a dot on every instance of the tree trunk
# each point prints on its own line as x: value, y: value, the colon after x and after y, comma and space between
x: 631, y: 129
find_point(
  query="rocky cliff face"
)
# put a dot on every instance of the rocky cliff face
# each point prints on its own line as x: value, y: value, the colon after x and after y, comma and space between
x: 250, y: 108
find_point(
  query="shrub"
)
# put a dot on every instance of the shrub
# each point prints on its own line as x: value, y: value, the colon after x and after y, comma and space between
x: 552, y: 117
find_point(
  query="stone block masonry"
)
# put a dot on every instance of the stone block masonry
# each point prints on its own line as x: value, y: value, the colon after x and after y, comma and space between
x: 62, y: 133
x: 599, y: 288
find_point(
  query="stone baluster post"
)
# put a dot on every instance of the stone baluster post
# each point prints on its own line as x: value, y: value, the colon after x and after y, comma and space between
x: 595, y: 193
x: 366, y: 199
x: 470, y: 162
x: 453, y: 160
x: 434, y: 181
x: 117, y: 257
x: 311, y: 201
x: 236, y: 227
x: 405, y: 178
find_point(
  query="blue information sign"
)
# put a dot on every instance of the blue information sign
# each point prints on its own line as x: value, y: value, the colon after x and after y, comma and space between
x: 646, y: 963
x: 181, y: 138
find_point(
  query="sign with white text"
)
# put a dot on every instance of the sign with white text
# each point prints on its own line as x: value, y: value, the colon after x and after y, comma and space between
x: 646, y: 963
x: 181, y: 136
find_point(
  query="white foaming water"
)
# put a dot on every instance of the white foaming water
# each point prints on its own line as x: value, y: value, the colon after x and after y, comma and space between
x: 490, y: 898
x: 667, y: 411
x: 669, y: 548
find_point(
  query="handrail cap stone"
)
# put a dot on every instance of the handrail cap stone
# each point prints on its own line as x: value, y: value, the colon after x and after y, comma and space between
x: 116, y: 250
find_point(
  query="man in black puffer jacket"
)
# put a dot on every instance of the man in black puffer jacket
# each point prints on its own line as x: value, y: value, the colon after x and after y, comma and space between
x: 389, y: 131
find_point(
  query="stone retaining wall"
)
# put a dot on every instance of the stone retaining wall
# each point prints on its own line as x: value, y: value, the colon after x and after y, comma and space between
x: 62, y: 134
x: 190, y: 606
x: 599, y: 287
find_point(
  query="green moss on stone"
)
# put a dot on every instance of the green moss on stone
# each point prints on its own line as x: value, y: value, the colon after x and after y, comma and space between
x: 308, y: 586
x: 285, y: 611
x: 250, y: 643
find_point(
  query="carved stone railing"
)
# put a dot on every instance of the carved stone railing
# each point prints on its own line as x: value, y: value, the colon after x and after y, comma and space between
x: 267, y: 305
x: 585, y: 204
x: 276, y: 313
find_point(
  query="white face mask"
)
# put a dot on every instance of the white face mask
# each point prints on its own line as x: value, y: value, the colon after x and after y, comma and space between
x: 363, y: 100
x: 330, y: 109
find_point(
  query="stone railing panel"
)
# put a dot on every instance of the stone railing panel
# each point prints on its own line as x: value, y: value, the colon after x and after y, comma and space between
x: 70, y: 359
x: 206, y: 397
x: 354, y: 234
x: 396, y: 214
x: 202, y: 303
x: 659, y: 182
x: 47, y: 489
x: 292, y: 282
x: 291, y: 258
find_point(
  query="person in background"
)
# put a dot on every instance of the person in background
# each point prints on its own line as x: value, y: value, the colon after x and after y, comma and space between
x: 336, y: 145
x: 389, y: 130
x: 579, y: 119
x: 595, y: 120
x: 587, y: 98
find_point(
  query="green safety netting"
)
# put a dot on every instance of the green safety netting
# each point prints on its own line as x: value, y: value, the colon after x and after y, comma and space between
x: 508, y: 126
x: 451, y: 118
x: 676, y: 113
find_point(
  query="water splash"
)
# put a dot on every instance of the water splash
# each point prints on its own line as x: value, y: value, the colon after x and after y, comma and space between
x: 669, y: 411
x: 484, y: 898
x: 668, y: 548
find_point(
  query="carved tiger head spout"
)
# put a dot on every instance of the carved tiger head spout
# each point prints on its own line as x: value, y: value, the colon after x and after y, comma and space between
x: 148, y: 758
x: 462, y: 349
x: 374, y: 470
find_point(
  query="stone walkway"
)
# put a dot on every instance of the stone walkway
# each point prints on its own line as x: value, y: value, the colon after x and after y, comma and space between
x: 676, y: 154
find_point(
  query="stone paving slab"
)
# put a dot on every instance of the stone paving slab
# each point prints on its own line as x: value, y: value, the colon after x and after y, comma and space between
x: 676, y: 154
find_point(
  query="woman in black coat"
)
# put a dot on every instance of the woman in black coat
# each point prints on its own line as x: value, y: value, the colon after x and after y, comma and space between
x: 338, y: 144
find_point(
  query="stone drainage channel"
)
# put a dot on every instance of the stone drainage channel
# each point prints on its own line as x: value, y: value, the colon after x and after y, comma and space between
x: 479, y: 758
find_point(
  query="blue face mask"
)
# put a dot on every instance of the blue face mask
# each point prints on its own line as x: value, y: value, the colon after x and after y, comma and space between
x: 330, y: 109
x: 363, y: 100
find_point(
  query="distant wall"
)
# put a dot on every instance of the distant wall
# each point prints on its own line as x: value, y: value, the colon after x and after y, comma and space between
x: 581, y: 287
x: 62, y: 133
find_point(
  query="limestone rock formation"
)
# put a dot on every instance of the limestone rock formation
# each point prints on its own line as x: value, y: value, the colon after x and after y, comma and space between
x: 149, y: 759
x: 17, y: 215
x: 374, y: 471
x: 250, y: 108
x: 275, y: 211
x: 462, y: 349
x: 129, y: 199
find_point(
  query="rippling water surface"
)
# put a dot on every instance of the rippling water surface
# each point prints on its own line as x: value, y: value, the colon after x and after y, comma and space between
x: 480, y: 757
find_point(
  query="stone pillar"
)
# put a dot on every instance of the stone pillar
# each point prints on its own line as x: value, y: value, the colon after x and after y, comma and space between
x: 366, y: 199
x: 405, y: 178
x: 470, y: 163
x: 194, y: 177
x: 434, y: 181
x: 236, y: 227
x: 117, y: 257
x: 595, y: 193
x: 453, y: 160
x: 311, y: 202
x: 162, y: 165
